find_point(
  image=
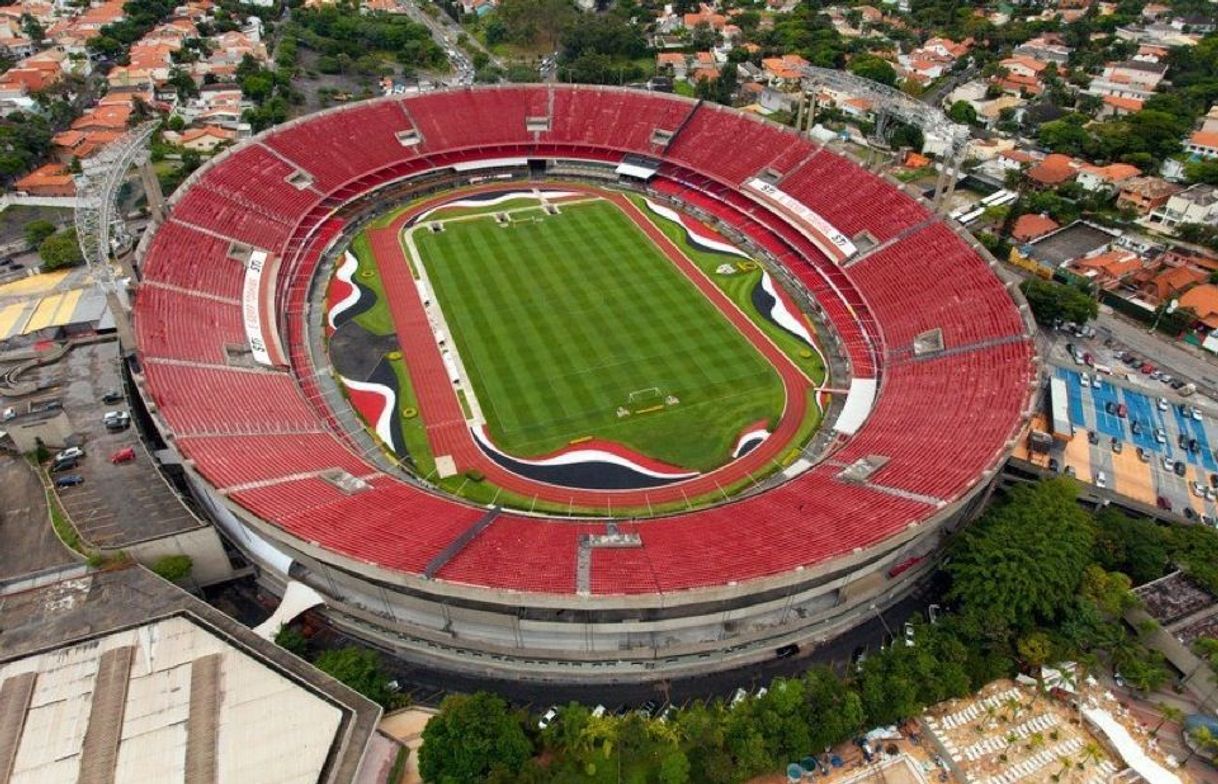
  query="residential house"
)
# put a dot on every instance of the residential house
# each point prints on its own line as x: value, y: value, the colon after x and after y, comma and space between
x: 205, y: 139
x: 1105, y: 178
x: 1021, y: 65
x: 1108, y: 270
x: 672, y: 62
x: 858, y: 108
x: 1203, y: 144
x: 1169, y: 282
x: 1054, y: 170
x: 1119, y: 106
x: 1195, y: 204
x: 1128, y: 79
x: 52, y: 179
x: 1202, y: 300
x: 931, y: 60
x: 705, y: 15
x: 1145, y: 194
x: 1048, y: 48
x: 1151, y: 53
x: 784, y: 70
x: 1030, y: 226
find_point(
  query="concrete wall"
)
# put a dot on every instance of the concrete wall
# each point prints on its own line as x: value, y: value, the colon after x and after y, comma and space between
x: 202, y: 545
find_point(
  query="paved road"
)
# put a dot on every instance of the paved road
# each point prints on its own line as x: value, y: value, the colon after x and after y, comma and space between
x: 27, y: 542
x: 1181, y: 360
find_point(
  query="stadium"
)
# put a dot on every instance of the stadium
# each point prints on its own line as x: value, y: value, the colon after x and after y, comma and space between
x: 577, y: 383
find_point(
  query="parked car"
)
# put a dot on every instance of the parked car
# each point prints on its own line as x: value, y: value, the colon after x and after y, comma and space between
x: 1162, y: 404
x: 1179, y: 468
x: 1196, y: 414
x: 1101, y: 479
x: 1092, y: 437
x: 1167, y: 464
x: 1163, y: 503
x: 1143, y: 456
x: 71, y: 453
x: 1135, y: 427
x: 116, y: 420
x: 1198, y: 489
x: 69, y: 480
x: 1084, y: 380
x: 112, y: 396
x: 1110, y: 407
x: 1189, y: 513
x: 1160, y: 436
x: 63, y: 465
x: 1116, y: 445
x: 547, y: 718
x: 125, y: 455
x: 1054, y: 466
x: 1122, y: 410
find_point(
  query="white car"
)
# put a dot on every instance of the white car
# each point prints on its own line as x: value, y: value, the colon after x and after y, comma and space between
x: 1196, y: 413
x: 1095, y: 381
x: 548, y: 718
x: 1084, y: 380
x: 1162, y: 404
x: 10, y: 413
x: 1198, y: 489
x: 1160, y: 438
x: 71, y: 453
x: 1101, y: 480
x: 1167, y: 466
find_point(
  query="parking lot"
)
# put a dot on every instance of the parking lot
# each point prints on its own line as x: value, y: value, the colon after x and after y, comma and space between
x: 115, y: 505
x: 1158, y: 464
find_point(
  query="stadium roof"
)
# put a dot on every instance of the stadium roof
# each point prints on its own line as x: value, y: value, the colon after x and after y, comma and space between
x: 118, y: 676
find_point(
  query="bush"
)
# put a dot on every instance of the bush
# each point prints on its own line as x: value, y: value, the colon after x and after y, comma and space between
x: 358, y: 669
x: 291, y: 640
x: 60, y: 250
x: 173, y: 567
x: 37, y: 231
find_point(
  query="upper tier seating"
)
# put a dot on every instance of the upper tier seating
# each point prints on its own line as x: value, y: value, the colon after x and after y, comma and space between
x: 174, y: 325
x: 189, y: 259
x: 344, y: 144
x: 456, y: 120
x: 851, y: 199
x: 732, y: 145
x: 205, y: 400
x: 227, y: 461
x: 611, y: 118
x: 961, y: 408
x: 934, y: 279
x: 392, y: 524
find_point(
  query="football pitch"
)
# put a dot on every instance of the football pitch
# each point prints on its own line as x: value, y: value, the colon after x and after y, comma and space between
x: 563, y: 320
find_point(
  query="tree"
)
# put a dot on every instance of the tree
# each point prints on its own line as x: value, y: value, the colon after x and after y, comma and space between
x: 470, y: 735
x: 875, y: 68
x: 1022, y: 562
x: 1034, y: 649
x: 963, y: 113
x: 1051, y: 301
x: 1135, y: 546
x: 357, y: 668
x: 291, y: 640
x: 38, y: 230
x: 1167, y: 713
x: 60, y: 250
x: 33, y: 29
x: 173, y: 567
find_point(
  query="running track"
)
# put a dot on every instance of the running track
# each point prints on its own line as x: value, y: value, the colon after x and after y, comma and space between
x: 440, y: 408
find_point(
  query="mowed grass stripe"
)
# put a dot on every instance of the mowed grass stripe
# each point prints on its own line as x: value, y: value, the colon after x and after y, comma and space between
x: 560, y: 319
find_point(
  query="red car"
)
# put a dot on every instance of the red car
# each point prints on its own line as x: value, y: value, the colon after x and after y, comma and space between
x: 1147, y: 369
x: 1122, y: 410
x: 123, y: 456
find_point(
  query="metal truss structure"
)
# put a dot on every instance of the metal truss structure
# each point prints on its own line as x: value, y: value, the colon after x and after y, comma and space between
x: 97, y: 218
x: 891, y: 104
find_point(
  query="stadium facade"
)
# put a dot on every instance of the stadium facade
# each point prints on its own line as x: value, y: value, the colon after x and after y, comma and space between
x: 937, y: 379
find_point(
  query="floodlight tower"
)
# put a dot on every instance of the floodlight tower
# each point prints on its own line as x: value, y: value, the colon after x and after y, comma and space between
x: 892, y: 104
x: 100, y: 229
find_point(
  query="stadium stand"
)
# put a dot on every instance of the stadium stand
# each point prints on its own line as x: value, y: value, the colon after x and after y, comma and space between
x: 263, y: 439
x: 344, y: 145
x: 933, y: 279
x: 172, y: 325
x: 189, y: 259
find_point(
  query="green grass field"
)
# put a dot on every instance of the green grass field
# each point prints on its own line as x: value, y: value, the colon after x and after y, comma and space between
x: 559, y: 318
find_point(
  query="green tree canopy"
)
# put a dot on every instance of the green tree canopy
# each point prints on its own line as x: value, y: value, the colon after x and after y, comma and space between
x: 1022, y: 562
x: 358, y: 668
x: 963, y: 112
x: 38, y: 230
x: 60, y: 250
x: 875, y: 68
x: 1051, y: 301
x: 471, y: 735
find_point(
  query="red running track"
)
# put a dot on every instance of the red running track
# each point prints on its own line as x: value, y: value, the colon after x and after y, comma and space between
x: 440, y: 408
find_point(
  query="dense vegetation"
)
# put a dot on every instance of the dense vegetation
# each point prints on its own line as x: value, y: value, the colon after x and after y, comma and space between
x: 1052, y: 301
x: 1036, y: 580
